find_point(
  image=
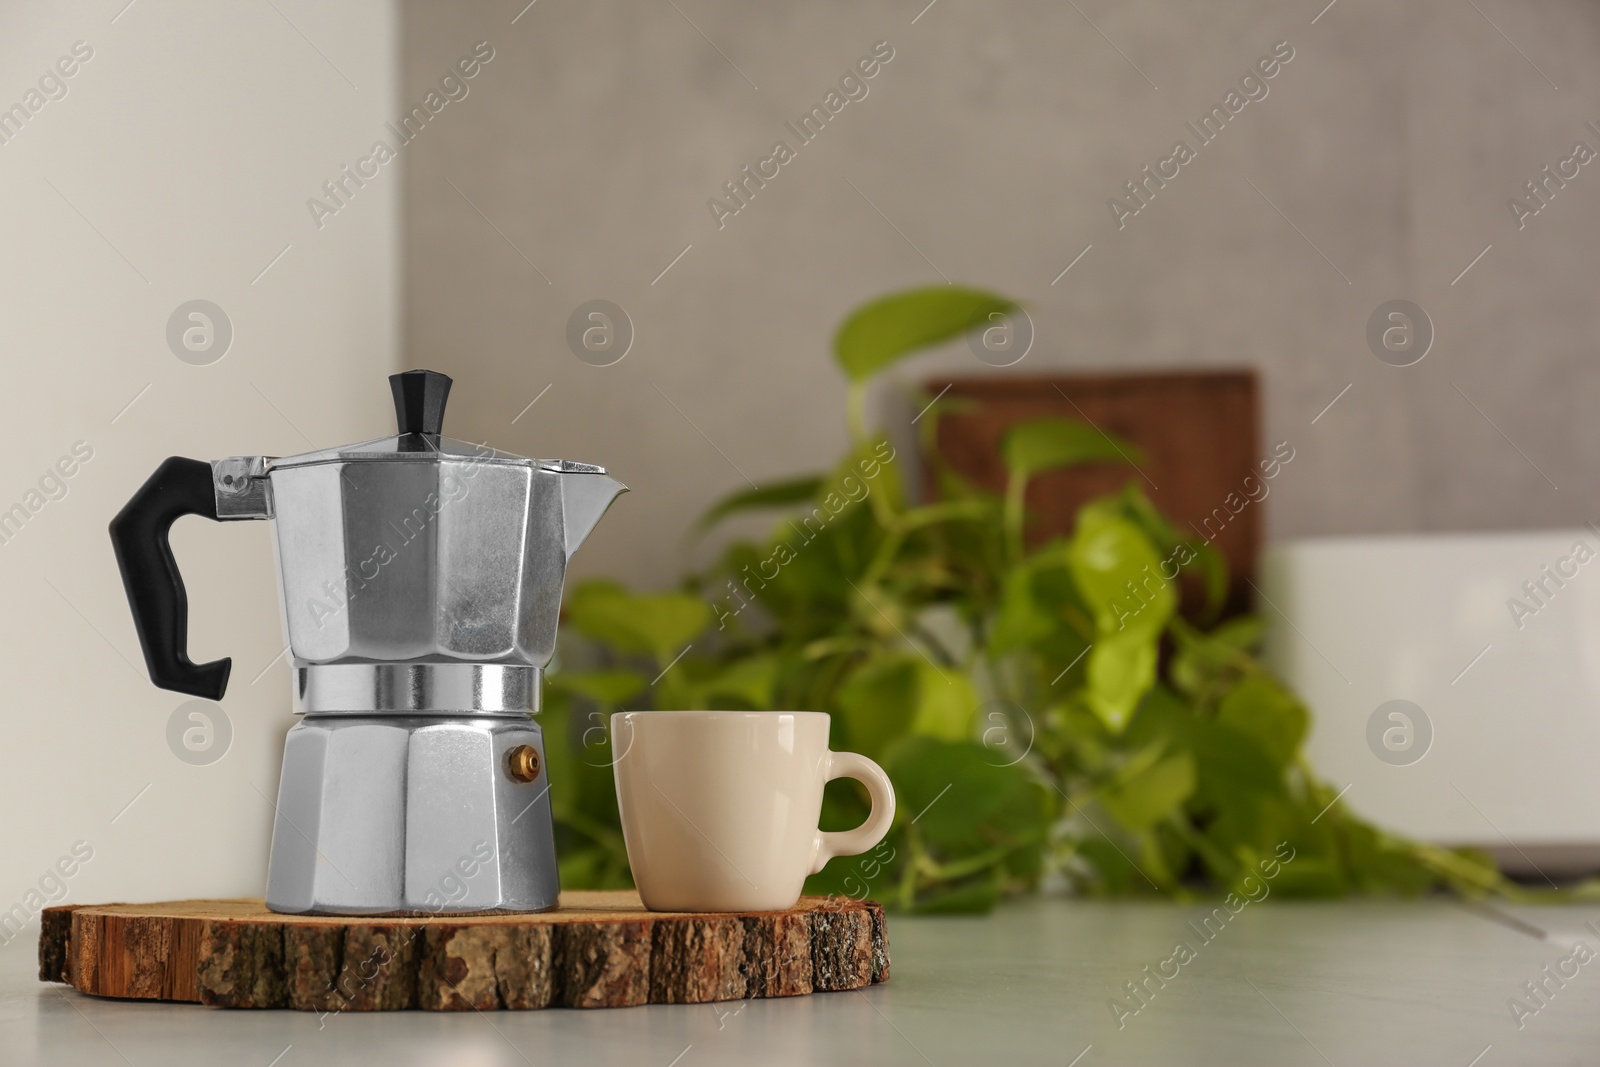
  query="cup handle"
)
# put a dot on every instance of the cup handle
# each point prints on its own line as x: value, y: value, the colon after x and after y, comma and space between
x: 869, y: 833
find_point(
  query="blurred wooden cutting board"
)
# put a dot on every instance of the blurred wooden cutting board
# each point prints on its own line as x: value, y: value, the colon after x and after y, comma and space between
x: 1199, y: 431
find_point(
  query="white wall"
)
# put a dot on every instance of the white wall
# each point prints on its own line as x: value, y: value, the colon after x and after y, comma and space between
x: 176, y: 167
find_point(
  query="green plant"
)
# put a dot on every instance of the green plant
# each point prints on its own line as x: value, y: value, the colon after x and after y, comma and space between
x: 1037, y: 715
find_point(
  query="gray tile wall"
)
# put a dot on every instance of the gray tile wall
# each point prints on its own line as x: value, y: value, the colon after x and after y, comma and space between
x: 1382, y: 159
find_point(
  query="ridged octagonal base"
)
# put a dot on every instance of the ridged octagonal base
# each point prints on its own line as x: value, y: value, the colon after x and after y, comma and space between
x: 411, y: 814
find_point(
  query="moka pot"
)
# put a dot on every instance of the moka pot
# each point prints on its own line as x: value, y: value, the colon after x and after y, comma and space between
x: 421, y: 583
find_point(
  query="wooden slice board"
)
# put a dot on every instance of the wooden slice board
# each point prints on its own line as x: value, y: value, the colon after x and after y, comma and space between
x: 598, y: 950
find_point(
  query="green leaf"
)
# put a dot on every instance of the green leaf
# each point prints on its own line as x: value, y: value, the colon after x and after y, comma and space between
x: 946, y: 702
x: 1232, y: 768
x: 1121, y: 669
x: 748, y: 681
x: 1213, y: 570
x: 1022, y: 620
x: 1261, y: 709
x: 1140, y: 800
x: 964, y: 803
x: 878, y: 704
x: 1242, y: 634
x: 1119, y: 573
x: 877, y: 334
x: 900, y: 694
x: 1040, y: 445
x: 773, y: 495
x: 660, y: 625
x: 871, y: 469
x: 1133, y: 505
x: 604, y: 687
x: 1206, y: 661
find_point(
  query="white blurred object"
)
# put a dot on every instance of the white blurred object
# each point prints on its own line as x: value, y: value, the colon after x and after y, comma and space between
x: 1509, y: 693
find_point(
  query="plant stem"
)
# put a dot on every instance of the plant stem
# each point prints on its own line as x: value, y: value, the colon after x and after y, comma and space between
x: 855, y: 407
x: 1014, y: 515
x: 908, y: 880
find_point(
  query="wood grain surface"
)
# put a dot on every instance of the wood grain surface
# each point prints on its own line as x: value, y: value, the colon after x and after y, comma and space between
x: 598, y: 950
x: 1199, y: 432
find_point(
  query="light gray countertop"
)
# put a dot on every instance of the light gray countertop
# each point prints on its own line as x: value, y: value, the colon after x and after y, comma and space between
x: 1349, y: 983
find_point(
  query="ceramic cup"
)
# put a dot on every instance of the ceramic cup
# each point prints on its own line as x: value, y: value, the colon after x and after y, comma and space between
x: 720, y: 808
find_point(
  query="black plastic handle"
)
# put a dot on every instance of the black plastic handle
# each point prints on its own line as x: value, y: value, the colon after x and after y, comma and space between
x: 150, y: 575
x: 419, y: 397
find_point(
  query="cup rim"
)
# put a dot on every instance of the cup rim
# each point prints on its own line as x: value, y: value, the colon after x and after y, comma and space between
x: 711, y: 717
x: 687, y: 714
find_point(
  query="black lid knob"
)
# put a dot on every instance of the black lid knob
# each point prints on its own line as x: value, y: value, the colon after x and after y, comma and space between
x: 419, y: 397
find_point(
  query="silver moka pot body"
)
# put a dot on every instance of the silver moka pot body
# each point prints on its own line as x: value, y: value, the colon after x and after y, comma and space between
x: 421, y: 580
